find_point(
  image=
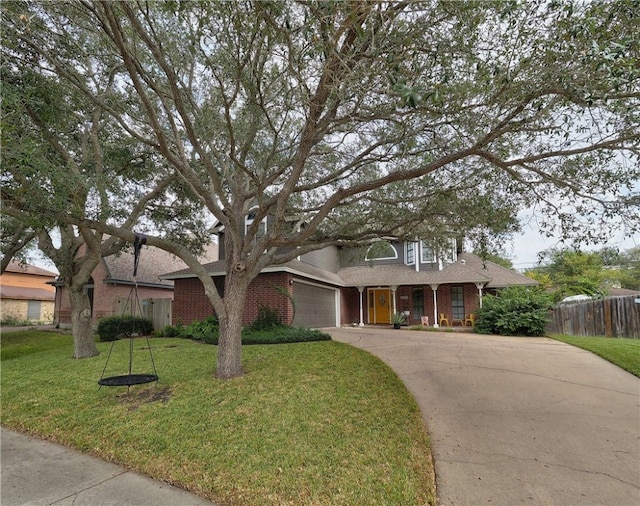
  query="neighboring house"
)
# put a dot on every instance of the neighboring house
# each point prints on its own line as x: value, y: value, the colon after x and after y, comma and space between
x: 112, y: 281
x: 25, y: 294
x: 342, y: 286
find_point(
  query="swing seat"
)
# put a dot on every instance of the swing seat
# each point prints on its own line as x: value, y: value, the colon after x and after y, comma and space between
x: 128, y: 380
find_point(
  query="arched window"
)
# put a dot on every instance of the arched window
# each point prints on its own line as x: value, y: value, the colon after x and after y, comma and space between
x: 381, y: 251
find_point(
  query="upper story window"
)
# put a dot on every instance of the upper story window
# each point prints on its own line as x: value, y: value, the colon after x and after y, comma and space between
x: 450, y: 253
x: 262, y: 227
x: 445, y: 254
x: 410, y: 250
x: 381, y: 251
x: 427, y: 253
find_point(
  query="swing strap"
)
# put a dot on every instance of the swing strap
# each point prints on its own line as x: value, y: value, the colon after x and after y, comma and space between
x: 139, y: 241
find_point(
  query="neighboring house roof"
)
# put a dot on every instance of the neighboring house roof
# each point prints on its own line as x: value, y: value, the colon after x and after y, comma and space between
x: 621, y: 292
x: 468, y: 268
x: 15, y: 283
x: 29, y: 269
x: 24, y: 293
x: 152, y: 263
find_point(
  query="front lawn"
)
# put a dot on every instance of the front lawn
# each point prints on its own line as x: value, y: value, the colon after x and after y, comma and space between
x: 309, y: 423
x: 625, y: 353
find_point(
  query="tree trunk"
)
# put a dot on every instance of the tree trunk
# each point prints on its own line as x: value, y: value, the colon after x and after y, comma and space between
x: 84, y: 345
x: 230, y: 340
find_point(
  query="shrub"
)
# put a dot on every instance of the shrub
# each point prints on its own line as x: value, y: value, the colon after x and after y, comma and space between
x: 171, y: 331
x: 111, y: 328
x: 203, y: 330
x: 283, y: 334
x: 268, y: 318
x: 515, y: 311
x: 12, y: 321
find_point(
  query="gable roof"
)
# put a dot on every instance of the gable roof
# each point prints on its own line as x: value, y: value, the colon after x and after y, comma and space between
x: 468, y: 268
x: 25, y: 293
x: 33, y: 270
x: 304, y: 269
x: 152, y: 263
x: 500, y: 277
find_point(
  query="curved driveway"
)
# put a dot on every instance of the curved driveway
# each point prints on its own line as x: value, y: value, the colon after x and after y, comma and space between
x: 517, y: 420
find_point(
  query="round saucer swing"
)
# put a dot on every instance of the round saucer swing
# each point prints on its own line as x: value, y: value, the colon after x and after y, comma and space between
x: 133, y: 302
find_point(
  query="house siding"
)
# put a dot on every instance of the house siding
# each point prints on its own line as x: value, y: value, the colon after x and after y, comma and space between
x: 24, y: 286
x: 191, y: 303
x: 105, y: 296
x: 350, y: 302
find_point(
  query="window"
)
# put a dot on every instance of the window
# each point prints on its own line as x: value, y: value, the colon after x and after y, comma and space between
x: 262, y: 228
x: 33, y: 310
x: 457, y: 303
x: 450, y: 254
x: 410, y: 253
x: 381, y: 251
x: 418, y: 303
x: 428, y: 255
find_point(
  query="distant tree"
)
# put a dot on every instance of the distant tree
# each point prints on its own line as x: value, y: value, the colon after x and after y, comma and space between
x: 630, y: 269
x: 541, y: 276
x: 575, y: 273
x: 345, y: 121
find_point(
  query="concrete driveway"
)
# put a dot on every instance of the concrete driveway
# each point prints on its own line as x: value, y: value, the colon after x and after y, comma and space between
x: 518, y: 420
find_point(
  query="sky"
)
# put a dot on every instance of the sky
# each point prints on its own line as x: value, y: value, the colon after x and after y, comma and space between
x: 524, y: 248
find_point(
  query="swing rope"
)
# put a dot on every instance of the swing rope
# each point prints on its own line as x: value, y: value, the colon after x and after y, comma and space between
x: 131, y: 379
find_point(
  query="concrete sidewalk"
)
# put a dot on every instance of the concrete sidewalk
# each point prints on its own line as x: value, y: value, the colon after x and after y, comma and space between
x: 36, y: 472
x: 518, y: 420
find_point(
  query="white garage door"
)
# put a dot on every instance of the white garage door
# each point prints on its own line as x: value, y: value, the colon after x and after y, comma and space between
x: 315, y: 306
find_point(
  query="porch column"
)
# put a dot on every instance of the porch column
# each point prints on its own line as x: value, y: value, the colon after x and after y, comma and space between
x: 360, y: 291
x: 479, y: 286
x: 393, y: 298
x: 434, y: 288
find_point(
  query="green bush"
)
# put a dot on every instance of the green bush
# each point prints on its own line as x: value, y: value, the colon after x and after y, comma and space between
x: 515, y: 311
x: 203, y: 330
x: 268, y: 332
x: 268, y: 318
x: 111, y: 328
x: 172, y: 331
x: 283, y: 334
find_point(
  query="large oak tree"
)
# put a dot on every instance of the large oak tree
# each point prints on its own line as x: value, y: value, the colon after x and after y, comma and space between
x: 351, y: 120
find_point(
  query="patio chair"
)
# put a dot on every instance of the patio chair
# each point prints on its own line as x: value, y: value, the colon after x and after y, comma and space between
x: 470, y: 318
x: 443, y: 318
x: 425, y: 321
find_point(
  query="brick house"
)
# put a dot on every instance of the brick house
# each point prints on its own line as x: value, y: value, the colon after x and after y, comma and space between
x: 112, y: 281
x: 344, y: 286
x: 25, y: 294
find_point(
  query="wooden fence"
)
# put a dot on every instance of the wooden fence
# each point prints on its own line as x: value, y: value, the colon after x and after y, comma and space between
x: 610, y: 317
x: 156, y: 310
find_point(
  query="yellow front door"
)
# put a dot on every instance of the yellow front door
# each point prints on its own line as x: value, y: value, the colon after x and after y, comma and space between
x: 379, y: 305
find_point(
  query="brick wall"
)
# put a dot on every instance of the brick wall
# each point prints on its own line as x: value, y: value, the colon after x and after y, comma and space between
x: 350, y: 306
x: 191, y: 303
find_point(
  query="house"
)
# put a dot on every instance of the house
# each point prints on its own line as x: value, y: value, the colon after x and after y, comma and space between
x: 25, y: 294
x: 343, y: 286
x: 111, y: 283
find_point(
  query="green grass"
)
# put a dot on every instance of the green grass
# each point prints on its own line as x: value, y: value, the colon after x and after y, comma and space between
x: 20, y: 343
x: 309, y: 423
x: 624, y: 353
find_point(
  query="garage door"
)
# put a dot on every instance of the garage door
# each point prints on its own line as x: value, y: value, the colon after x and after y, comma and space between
x: 315, y: 306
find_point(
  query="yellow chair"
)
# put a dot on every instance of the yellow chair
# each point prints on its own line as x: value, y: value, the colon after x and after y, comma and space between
x: 470, y: 318
x: 443, y: 318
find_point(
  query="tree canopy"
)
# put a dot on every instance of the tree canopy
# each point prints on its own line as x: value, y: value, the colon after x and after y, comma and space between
x: 344, y: 121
